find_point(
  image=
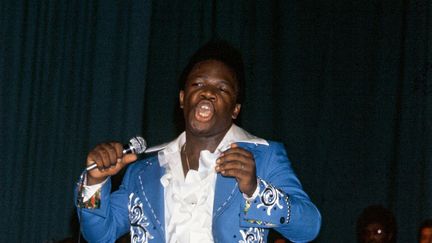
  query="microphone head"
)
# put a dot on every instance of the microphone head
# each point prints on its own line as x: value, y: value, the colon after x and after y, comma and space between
x: 138, y: 145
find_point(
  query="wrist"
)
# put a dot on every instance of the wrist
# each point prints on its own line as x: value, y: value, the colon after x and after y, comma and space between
x: 94, y: 180
x: 253, y: 193
x: 250, y: 192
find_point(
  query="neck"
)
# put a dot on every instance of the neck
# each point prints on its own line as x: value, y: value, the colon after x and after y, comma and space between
x: 196, y: 143
x: 193, y: 147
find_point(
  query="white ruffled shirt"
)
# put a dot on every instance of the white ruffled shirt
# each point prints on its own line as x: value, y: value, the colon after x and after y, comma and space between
x: 189, y: 200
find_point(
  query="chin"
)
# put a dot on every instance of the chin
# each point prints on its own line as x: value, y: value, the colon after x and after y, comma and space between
x: 199, y: 128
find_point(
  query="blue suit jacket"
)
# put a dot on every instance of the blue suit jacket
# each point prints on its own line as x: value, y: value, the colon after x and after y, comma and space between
x: 138, y: 205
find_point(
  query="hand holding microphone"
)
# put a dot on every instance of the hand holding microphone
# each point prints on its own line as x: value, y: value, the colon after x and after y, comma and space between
x: 110, y: 158
x: 137, y: 145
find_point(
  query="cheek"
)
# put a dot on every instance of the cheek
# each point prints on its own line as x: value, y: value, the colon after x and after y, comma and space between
x: 188, y: 99
x: 228, y: 107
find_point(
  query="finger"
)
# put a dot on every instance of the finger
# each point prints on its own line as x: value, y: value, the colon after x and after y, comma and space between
x: 108, y: 154
x: 246, y: 179
x: 237, y: 169
x: 237, y: 150
x: 234, y: 165
x: 118, y: 149
x: 224, y: 158
x: 245, y: 160
x: 94, y: 157
x: 129, y: 158
x: 123, y: 158
x: 96, y: 175
x: 236, y: 172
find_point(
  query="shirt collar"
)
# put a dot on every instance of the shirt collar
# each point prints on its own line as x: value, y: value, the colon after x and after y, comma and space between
x: 235, y: 134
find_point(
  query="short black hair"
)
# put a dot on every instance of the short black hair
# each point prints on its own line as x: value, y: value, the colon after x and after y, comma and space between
x: 219, y: 50
x: 377, y: 214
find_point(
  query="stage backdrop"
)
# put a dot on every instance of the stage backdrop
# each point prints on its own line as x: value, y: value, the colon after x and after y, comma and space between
x: 346, y: 86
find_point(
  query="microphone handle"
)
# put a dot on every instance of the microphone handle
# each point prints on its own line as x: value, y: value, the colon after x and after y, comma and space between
x: 91, y: 167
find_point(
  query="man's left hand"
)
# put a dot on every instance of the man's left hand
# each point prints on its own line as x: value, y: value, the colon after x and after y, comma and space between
x: 239, y: 163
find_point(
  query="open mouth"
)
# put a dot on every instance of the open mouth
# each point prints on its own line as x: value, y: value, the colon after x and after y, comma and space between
x: 204, y: 110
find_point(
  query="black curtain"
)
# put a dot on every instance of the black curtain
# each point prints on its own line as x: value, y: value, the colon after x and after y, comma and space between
x: 346, y: 85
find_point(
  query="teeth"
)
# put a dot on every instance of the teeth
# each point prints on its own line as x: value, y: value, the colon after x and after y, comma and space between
x: 204, y: 113
x: 204, y: 110
x: 206, y: 107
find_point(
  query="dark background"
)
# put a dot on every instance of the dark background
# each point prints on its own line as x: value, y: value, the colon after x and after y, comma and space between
x: 345, y: 85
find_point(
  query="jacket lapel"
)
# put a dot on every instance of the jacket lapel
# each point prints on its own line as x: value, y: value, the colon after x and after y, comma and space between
x: 152, y: 194
x: 226, y: 190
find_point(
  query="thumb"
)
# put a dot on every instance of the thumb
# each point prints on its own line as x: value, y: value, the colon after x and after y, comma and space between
x: 129, y: 158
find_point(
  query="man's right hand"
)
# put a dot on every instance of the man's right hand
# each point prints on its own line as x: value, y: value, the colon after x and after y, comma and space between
x: 109, y: 159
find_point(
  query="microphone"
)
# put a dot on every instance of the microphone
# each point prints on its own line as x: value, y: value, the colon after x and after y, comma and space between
x: 137, y: 145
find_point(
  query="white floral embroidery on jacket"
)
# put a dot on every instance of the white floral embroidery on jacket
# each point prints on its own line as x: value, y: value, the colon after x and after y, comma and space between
x: 270, y: 197
x: 138, y: 221
x: 252, y: 235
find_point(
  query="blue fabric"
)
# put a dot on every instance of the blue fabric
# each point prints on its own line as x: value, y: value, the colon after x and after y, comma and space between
x: 282, y: 204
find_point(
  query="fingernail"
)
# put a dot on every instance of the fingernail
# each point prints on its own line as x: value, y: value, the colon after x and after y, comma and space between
x: 119, y: 160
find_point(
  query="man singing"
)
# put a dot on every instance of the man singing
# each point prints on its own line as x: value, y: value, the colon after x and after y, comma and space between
x: 214, y: 183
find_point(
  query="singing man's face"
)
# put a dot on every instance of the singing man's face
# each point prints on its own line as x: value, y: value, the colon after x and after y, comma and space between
x: 209, y: 99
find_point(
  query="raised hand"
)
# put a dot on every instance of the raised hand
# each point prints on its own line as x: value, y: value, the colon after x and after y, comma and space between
x: 240, y: 164
x: 110, y: 160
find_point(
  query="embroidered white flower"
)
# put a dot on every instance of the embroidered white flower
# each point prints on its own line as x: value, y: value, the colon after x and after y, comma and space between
x: 269, y: 198
x: 252, y: 235
x: 138, y: 221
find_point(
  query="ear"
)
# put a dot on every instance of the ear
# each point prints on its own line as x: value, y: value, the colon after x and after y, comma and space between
x: 236, y: 111
x: 181, y: 98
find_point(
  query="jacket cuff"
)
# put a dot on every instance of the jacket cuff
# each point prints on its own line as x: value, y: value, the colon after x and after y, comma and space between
x: 89, y: 197
x: 270, y: 208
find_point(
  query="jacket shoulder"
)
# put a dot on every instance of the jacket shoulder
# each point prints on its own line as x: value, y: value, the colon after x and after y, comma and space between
x: 143, y: 165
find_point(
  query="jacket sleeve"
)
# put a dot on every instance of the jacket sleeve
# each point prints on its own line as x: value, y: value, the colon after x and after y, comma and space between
x: 281, y: 203
x: 110, y: 220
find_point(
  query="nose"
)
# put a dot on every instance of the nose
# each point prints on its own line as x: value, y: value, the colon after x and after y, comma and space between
x: 208, y: 93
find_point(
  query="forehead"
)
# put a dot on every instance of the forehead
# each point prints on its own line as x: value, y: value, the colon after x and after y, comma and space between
x: 213, y: 69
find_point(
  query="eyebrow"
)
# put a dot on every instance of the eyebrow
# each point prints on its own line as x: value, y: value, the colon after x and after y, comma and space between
x: 227, y: 82
x: 205, y: 77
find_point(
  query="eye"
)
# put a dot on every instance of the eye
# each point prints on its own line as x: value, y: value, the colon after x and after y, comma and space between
x: 197, y: 84
x: 225, y: 89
